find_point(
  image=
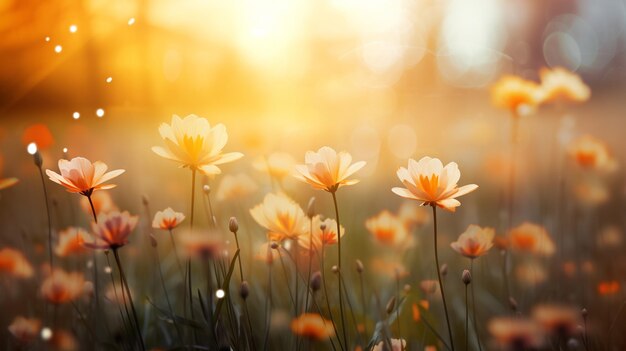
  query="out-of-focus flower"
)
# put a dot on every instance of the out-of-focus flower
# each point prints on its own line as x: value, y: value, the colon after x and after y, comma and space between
x: 388, y: 229
x: 328, y: 170
x: 610, y: 236
x: 25, y: 330
x: 569, y: 269
x: 62, y: 287
x: 278, y: 165
x: 560, y: 84
x: 63, y: 340
x: 518, y: 95
x: 474, y: 242
x: 281, y: 216
x: 427, y: 180
x: 516, y: 333
x: 591, y: 153
x: 236, y: 187
x: 79, y: 175
x: 389, y: 268
x: 609, y: 287
x: 592, y: 193
x: 530, y: 273
x: 531, y: 238
x: 396, y: 345
x: 39, y: 134
x: 416, y: 309
x: 201, y: 245
x: 112, y: 230
x: 587, y: 267
x: 192, y: 142
x: 167, y: 219
x: 500, y: 242
x: 413, y: 215
x: 265, y: 253
x: 15, y: 263
x: 429, y: 286
x: 102, y: 203
x: 313, y: 326
x: 557, y: 319
x: 8, y: 182
x: 71, y: 242
x: 324, y: 233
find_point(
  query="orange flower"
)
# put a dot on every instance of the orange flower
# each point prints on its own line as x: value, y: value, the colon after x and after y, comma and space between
x: 194, y: 144
x: 591, y: 193
x: 63, y: 340
x: 200, y: 245
x: 15, y: 263
x: 427, y: 180
x: 532, y: 238
x: 560, y: 84
x: 281, y: 216
x: 413, y: 215
x: 7, y: 182
x: 167, y: 219
x: 328, y: 170
x: 81, y: 176
x: 25, y: 330
x: 62, y: 287
x: 591, y: 153
x: 39, y: 134
x: 313, y: 326
x: 71, y: 242
x: 236, y: 187
x: 324, y: 233
x: 102, y: 203
x: 518, y: 95
x: 396, y: 345
x: 610, y: 237
x: 429, y: 286
x: 474, y: 242
x: 516, y: 333
x: 388, y: 229
x: 278, y: 165
x: 112, y: 230
x: 557, y: 319
x: 610, y: 287
x: 530, y: 273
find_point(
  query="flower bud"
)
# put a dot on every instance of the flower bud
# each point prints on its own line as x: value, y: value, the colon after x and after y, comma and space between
x: 244, y: 290
x: 407, y: 288
x: 391, y: 304
x: 310, y: 210
x: 323, y: 226
x: 513, y: 304
x: 37, y: 159
x: 359, y: 266
x: 335, y: 269
x: 153, y: 241
x: 444, y: 269
x: 316, y: 281
x: 206, y: 189
x: 144, y: 200
x: 233, y: 225
x: 274, y: 245
x: 466, y: 277
x: 584, y: 312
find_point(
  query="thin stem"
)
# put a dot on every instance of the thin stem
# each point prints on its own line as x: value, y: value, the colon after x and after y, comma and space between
x: 474, y: 315
x: 93, y: 209
x: 189, y: 294
x: 308, y: 280
x: 45, y: 195
x: 511, y: 199
x: 167, y: 297
x: 466, y: 321
x: 364, y: 301
x: 343, y: 318
x: 443, y: 295
x: 130, y: 297
x: 180, y: 266
x: 398, y: 303
x: 330, y: 312
x: 268, y: 304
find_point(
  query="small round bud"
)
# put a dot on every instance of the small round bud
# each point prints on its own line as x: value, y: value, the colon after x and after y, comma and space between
x: 144, y: 200
x: 390, y: 305
x: 233, y: 225
x: 316, y: 281
x: 323, y: 226
x: 274, y: 245
x: 335, y: 269
x: 466, y: 277
x: 580, y: 329
x: 407, y: 288
x: 584, y: 312
x: 37, y: 158
x: 206, y: 189
x: 359, y: 266
x: 153, y: 240
x: 444, y: 269
x: 513, y: 304
x: 244, y: 290
x: 310, y: 210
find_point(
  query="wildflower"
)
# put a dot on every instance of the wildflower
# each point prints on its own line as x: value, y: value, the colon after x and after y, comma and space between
x: 281, y: 216
x: 324, y: 234
x: 278, y: 165
x: 388, y: 268
x: 516, y: 333
x: 194, y: 144
x: 427, y: 180
x: 312, y: 326
x: 167, y: 219
x: 112, y: 230
x: 560, y: 84
x: 62, y: 287
x: 518, y: 95
x: 474, y: 242
x: 328, y: 170
x: 236, y: 187
x: 102, y: 203
x: 558, y: 320
x: 531, y: 273
x: 591, y: 153
x: 396, y: 345
x: 25, y: 330
x: 199, y: 245
x: 79, y: 175
x: 15, y: 263
x: 388, y: 229
x: 71, y: 242
x: 531, y: 238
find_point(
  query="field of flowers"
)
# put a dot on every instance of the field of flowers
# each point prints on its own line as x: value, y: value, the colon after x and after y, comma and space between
x: 147, y: 230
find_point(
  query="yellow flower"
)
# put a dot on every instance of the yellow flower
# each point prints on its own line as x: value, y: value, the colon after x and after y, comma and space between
x: 427, y: 180
x: 518, y: 95
x: 560, y: 84
x: 591, y: 153
x: 278, y: 165
x: 193, y: 143
x: 281, y: 216
x: 7, y: 182
x: 388, y: 229
x: 328, y: 170
x: 324, y: 233
x: 474, y: 242
x: 532, y: 238
x: 79, y: 175
x: 167, y: 219
x: 236, y: 187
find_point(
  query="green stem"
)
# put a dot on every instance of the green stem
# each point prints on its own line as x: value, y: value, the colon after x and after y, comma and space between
x: 466, y: 321
x: 443, y: 295
x: 130, y: 297
x: 474, y: 315
x: 343, y: 318
x: 308, y: 280
x: 45, y: 195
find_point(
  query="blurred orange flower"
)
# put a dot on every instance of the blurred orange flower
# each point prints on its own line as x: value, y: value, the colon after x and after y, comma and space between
x: 201, y: 245
x: 62, y: 287
x: 112, y: 230
x: 413, y: 215
x: 389, y: 268
x: 278, y: 165
x: 281, y: 216
x: 429, y: 181
x: 102, y: 203
x: 388, y: 229
x: 516, y: 333
x: 530, y: 273
x: 429, y: 286
x: 79, y: 175
x: 328, y: 170
x: 192, y: 142
x: 25, y: 330
x: 313, y: 326
x: 591, y: 153
x: 15, y: 263
x: 557, y: 319
x: 561, y: 84
x: 591, y: 193
x: 518, y: 95
x: 236, y: 187
x: 167, y: 219
x: 610, y: 287
x: 71, y: 242
x: 474, y: 242
x: 531, y: 238
x: 39, y: 134
x: 396, y: 345
x: 324, y: 233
